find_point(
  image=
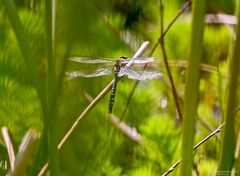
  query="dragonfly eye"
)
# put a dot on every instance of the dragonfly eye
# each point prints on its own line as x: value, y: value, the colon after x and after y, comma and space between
x: 123, y: 57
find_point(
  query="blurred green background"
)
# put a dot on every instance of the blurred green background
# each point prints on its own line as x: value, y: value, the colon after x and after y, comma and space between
x: 111, y: 29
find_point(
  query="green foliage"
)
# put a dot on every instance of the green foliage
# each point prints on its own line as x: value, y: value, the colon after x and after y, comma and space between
x: 160, y: 145
x: 19, y: 102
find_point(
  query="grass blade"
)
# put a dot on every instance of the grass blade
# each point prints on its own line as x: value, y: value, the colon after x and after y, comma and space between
x: 192, y: 86
x: 51, y: 115
x: 228, y: 143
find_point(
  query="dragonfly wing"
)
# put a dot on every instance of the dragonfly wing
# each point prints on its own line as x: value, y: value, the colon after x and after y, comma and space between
x: 99, y: 72
x: 143, y: 75
x: 91, y: 61
x: 139, y: 60
x: 122, y: 72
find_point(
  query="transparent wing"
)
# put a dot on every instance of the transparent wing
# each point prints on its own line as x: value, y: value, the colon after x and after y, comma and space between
x: 142, y: 75
x: 91, y: 61
x: 139, y: 60
x: 99, y: 72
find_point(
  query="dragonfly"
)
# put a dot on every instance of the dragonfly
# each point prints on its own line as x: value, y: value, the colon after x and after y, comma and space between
x: 120, y: 67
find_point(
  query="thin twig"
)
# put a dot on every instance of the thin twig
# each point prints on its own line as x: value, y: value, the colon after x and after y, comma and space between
x: 206, y: 125
x: 195, y: 147
x: 165, y: 58
x: 25, y: 153
x: 127, y: 130
x: 9, y: 146
x: 97, y: 99
x: 184, y: 64
x: 237, y: 109
x: 209, y: 136
x: 100, y: 96
x: 184, y: 7
x: 172, y: 168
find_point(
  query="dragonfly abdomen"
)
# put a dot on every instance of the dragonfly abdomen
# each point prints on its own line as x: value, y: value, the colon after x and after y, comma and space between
x: 112, y: 96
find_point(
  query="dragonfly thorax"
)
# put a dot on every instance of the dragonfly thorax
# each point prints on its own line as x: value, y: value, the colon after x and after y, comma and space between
x: 120, y: 63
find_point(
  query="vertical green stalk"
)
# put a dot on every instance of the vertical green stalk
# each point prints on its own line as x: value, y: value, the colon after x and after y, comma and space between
x: 26, y: 50
x: 22, y: 39
x: 192, y: 86
x: 46, y: 96
x: 228, y: 142
x: 51, y: 115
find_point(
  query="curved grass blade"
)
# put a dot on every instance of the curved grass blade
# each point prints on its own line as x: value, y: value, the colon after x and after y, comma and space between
x: 229, y: 137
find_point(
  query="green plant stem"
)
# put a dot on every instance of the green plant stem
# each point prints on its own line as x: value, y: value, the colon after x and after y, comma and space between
x: 228, y: 143
x: 192, y: 86
x: 28, y: 54
x: 51, y: 115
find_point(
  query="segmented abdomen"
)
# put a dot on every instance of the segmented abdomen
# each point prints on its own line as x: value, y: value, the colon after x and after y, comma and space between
x: 112, y: 96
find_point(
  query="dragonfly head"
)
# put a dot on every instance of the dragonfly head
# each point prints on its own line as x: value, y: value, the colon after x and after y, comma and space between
x: 122, y: 57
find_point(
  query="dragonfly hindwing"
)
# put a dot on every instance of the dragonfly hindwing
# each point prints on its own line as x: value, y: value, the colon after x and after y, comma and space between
x: 142, y: 75
x: 99, y: 72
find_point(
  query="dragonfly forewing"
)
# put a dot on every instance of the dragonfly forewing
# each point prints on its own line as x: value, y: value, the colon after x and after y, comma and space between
x: 92, y: 61
x: 99, y: 72
x: 139, y: 60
